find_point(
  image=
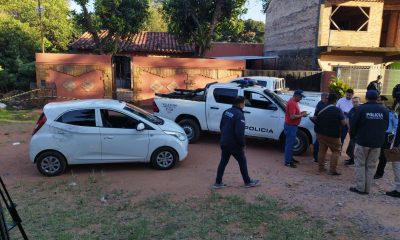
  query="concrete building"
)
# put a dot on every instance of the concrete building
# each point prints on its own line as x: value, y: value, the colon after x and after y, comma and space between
x: 329, y: 34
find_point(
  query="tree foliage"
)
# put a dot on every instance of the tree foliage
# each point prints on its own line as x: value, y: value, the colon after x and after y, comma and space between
x: 59, y: 30
x: 121, y: 19
x: 338, y: 86
x: 156, y: 21
x: 238, y: 30
x: 195, y: 22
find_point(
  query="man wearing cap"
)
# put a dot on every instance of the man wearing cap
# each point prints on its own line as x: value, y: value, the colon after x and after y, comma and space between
x: 292, y: 120
x: 368, y: 127
x: 376, y: 85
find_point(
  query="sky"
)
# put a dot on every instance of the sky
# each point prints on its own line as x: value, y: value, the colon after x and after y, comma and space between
x: 254, y: 10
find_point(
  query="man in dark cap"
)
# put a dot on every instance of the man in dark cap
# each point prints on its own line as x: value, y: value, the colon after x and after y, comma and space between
x: 292, y: 120
x: 232, y: 142
x: 368, y: 127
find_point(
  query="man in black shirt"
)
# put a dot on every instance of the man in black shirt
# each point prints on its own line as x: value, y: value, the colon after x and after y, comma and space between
x: 376, y: 85
x: 321, y: 104
x: 330, y: 120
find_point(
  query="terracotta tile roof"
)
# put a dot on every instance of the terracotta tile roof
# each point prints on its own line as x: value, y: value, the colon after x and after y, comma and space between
x: 143, y: 42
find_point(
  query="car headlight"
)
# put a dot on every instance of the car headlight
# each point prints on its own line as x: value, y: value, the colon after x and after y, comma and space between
x: 178, y: 135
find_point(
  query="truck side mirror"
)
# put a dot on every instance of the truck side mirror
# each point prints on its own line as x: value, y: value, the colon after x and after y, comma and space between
x: 140, y: 127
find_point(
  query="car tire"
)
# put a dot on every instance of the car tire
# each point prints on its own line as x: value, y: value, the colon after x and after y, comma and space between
x: 164, y: 158
x: 3, y: 225
x: 302, y: 143
x: 191, y: 128
x: 51, y: 163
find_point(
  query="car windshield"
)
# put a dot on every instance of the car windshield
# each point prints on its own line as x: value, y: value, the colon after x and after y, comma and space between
x: 143, y: 114
x: 282, y: 103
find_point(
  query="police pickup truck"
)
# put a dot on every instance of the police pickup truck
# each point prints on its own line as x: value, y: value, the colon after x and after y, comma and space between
x: 278, y: 86
x: 201, y: 110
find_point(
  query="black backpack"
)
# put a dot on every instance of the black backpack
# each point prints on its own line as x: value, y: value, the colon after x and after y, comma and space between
x: 396, y: 91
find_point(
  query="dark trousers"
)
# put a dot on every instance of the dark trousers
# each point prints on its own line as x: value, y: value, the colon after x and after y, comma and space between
x: 345, y: 129
x: 350, y: 149
x: 315, y: 150
x: 380, y: 170
x: 238, y: 154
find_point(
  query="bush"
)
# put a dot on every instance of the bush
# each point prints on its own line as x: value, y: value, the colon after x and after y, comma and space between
x: 338, y: 86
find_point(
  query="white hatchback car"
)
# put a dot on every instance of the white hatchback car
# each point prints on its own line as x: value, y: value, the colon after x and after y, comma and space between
x: 103, y: 131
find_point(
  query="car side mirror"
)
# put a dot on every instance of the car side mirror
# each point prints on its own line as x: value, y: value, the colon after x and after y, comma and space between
x: 140, y: 127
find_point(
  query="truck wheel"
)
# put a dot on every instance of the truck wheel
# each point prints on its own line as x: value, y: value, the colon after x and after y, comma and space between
x: 191, y: 128
x: 164, y: 158
x: 51, y: 163
x: 301, y: 144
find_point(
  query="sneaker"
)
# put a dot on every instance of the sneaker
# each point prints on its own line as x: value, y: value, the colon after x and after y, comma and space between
x: 292, y: 165
x: 394, y: 193
x: 219, y: 185
x: 355, y: 190
x: 378, y: 176
x: 295, y: 161
x: 315, y: 160
x: 252, y: 183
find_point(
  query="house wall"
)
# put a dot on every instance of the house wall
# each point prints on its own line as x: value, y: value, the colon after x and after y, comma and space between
x: 163, y: 75
x: 76, y: 75
x: 219, y: 49
x: 291, y: 33
x: 370, y: 38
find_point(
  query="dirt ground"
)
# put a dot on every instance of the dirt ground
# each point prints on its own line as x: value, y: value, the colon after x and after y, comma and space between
x: 323, y: 196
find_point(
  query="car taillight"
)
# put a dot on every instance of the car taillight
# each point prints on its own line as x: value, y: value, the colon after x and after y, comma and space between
x: 155, y: 108
x: 39, y: 123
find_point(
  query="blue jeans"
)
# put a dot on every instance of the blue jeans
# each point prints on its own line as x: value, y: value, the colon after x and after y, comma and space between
x: 316, y: 150
x: 345, y: 129
x: 290, y: 134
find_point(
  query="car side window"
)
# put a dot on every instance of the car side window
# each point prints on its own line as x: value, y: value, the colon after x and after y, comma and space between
x: 113, y: 119
x: 226, y: 96
x: 82, y: 117
x: 256, y: 100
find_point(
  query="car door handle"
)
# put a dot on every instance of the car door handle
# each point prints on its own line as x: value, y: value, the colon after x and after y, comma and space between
x: 247, y: 112
x: 215, y: 108
x: 108, y: 137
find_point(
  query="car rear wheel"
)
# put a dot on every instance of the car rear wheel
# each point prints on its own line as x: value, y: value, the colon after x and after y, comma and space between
x: 191, y: 128
x: 51, y: 163
x: 164, y: 158
x: 301, y: 144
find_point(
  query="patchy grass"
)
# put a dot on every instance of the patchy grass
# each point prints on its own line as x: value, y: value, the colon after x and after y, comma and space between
x: 18, y: 116
x: 57, y: 210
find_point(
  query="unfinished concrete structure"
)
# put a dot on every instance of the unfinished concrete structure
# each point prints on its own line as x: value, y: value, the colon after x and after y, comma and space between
x: 327, y: 34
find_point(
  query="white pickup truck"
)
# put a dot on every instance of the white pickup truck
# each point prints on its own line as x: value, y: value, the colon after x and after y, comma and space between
x: 278, y: 86
x: 202, y: 109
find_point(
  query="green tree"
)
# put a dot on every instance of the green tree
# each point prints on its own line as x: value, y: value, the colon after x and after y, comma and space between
x: 120, y: 19
x: 156, y: 21
x: 253, y: 31
x: 59, y: 30
x: 195, y: 22
x: 18, y: 44
x: 265, y: 5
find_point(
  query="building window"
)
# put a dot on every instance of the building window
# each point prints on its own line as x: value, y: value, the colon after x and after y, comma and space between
x: 349, y: 18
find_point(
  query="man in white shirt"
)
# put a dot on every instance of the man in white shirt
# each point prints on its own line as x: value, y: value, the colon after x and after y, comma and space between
x: 345, y: 104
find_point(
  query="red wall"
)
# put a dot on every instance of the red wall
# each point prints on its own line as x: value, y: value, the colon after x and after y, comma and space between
x: 235, y: 49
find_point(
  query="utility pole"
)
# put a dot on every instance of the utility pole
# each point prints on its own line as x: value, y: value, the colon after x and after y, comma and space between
x: 40, y: 10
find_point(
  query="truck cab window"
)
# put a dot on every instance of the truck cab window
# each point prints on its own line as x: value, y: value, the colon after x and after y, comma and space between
x: 226, y: 96
x: 256, y: 100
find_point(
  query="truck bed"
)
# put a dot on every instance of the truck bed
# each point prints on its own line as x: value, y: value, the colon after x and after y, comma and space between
x: 194, y: 95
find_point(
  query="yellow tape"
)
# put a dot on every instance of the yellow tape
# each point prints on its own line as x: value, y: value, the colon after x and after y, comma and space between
x: 14, y: 96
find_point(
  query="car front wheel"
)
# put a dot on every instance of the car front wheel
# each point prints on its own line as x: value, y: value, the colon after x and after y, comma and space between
x: 51, y: 163
x: 164, y: 158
